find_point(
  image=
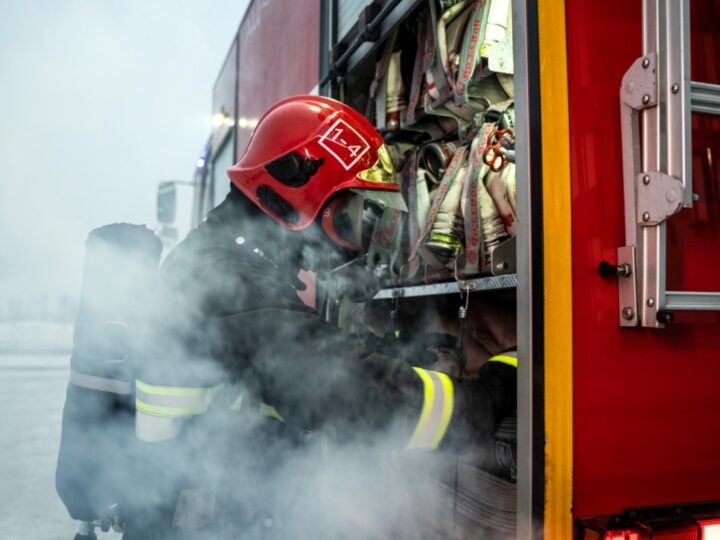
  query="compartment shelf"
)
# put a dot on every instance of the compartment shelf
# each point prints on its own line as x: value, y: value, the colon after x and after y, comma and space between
x: 491, y: 283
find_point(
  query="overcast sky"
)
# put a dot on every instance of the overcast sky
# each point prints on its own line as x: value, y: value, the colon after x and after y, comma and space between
x: 99, y: 100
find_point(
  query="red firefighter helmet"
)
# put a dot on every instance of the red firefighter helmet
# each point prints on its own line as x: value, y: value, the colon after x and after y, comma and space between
x: 304, y: 150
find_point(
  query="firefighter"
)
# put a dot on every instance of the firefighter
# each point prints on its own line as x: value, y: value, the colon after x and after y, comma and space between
x: 231, y: 336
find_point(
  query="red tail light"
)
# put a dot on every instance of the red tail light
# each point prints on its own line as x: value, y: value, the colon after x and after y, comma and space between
x: 695, y: 521
x: 703, y: 530
x: 622, y: 535
x: 710, y: 529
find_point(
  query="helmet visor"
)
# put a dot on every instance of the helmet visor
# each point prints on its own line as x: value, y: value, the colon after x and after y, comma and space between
x: 383, y: 171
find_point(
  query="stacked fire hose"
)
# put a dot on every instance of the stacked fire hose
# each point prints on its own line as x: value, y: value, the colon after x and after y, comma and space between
x: 451, y: 131
x: 444, y: 103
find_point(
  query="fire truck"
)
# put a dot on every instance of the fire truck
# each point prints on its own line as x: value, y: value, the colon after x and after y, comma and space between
x: 612, y: 270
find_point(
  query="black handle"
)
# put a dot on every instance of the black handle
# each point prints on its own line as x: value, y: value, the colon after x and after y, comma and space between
x: 607, y: 270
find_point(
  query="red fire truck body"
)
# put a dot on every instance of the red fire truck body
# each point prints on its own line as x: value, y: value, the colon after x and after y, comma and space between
x: 645, y: 400
x: 618, y: 407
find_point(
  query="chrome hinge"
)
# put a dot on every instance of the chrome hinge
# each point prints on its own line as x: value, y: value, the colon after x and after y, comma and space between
x: 659, y: 196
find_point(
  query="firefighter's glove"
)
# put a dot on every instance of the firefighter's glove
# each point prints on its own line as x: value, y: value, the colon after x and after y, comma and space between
x: 484, y: 402
x: 446, y: 360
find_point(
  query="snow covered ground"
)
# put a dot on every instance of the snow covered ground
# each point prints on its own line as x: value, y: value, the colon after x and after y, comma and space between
x: 32, y: 393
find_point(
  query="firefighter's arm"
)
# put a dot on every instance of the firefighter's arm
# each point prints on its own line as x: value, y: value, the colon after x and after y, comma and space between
x: 318, y: 377
x: 461, y: 414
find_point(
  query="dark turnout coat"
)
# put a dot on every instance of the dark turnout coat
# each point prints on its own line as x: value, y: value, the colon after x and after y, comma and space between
x: 248, y: 376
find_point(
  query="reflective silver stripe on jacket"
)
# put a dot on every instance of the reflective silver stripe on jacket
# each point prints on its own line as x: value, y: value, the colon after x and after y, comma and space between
x: 102, y: 384
x: 437, y: 409
x: 161, y: 410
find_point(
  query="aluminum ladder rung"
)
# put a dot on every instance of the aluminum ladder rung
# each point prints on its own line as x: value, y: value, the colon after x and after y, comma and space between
x: 705, y: 98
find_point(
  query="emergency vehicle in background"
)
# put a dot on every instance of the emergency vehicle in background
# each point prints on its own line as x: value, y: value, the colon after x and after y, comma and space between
x: 614, y: 268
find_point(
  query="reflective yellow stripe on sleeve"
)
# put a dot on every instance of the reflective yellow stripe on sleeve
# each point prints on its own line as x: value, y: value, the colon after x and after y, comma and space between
x: 172, y: 390
x: 270, y: 412
x: 509, y: 358
x: 172, y: 400
x: 436, y: 411
x: 160, y: 410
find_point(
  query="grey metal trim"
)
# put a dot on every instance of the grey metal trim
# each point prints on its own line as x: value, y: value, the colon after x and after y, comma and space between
x: 324, y: 41
x: 692, y: 301
x: 651, y: 240
x: 527, y: 529
x: 348, y: 13
x: 676, y: 85
x: 705, y: 98
x: 509, y: 281
x: 396, y: 16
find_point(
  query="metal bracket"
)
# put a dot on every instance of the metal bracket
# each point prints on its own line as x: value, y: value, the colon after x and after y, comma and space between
x: 627, y: 287
x: 503, y: 259
x: 639, y: 90
x: 500, y: 56
x: 659, y: 196
x: 640, y: 84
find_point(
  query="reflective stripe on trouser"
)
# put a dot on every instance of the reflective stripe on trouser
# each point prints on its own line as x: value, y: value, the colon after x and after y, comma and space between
x: 102, y: 384
x: 436, y: 411
x: 508, y: 357
x: 265, y: 409
x: 161, y: 410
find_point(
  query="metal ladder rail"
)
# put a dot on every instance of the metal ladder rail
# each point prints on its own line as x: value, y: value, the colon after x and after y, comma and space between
x: 658, y: 97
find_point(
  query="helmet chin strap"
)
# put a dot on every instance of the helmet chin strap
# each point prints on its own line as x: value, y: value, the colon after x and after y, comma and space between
x: 347, y: 205
x: 353, y: 280
x: 320, y: 254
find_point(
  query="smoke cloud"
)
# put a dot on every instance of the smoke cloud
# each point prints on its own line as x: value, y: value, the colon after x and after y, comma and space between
x: 327, y: 464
